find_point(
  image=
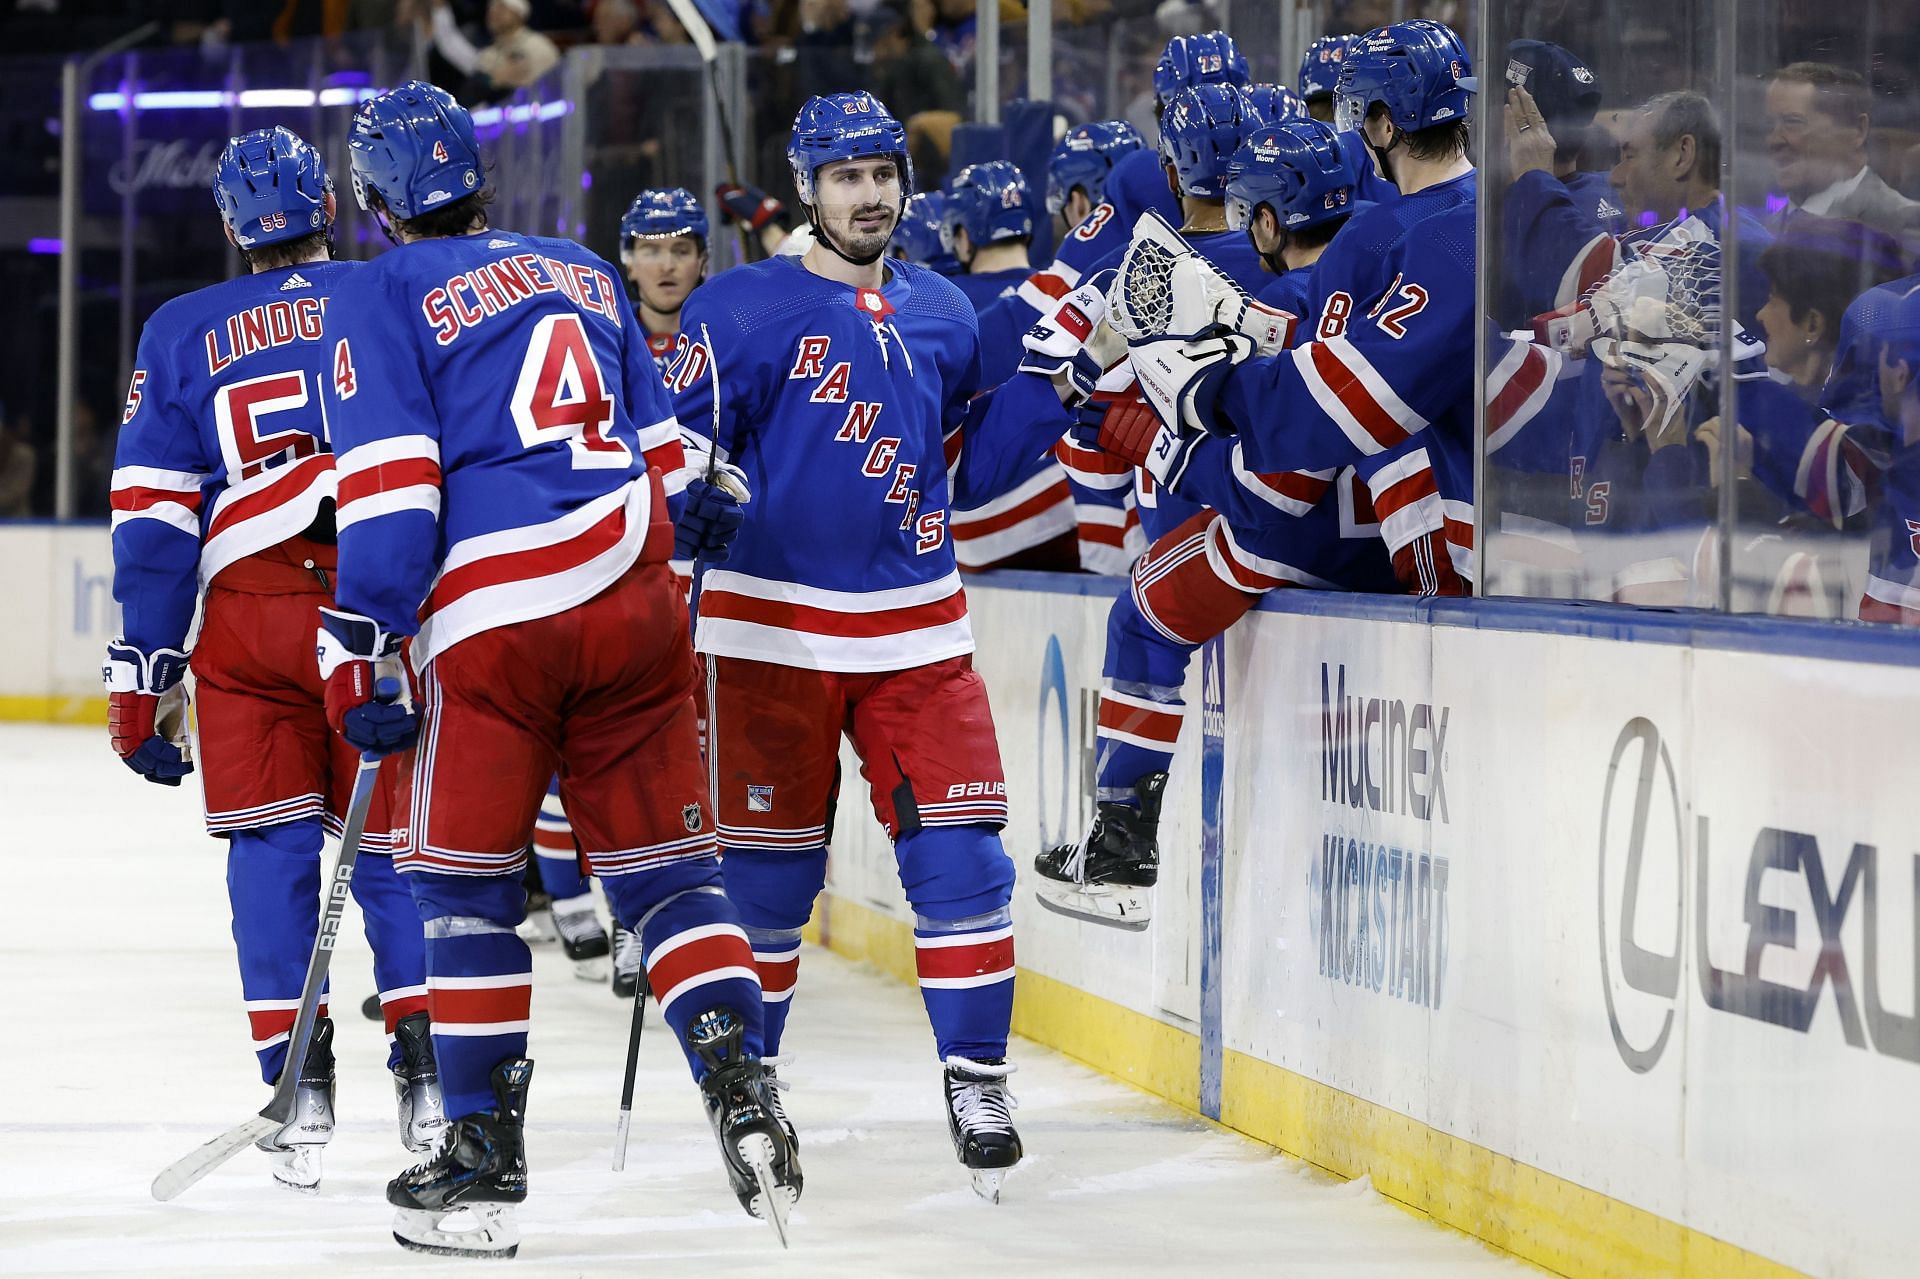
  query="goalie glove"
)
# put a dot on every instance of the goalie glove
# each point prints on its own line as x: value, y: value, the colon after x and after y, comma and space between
x: 1669, y: 371
x: 1066, y: 345
x: 1163, y: 287
x: 147, y: 711
x: 1182, y: 377
x: 369, y: 691
x: 1124, y: 427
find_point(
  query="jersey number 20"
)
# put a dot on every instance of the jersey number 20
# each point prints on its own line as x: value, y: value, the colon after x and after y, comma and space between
x: 561, y: 395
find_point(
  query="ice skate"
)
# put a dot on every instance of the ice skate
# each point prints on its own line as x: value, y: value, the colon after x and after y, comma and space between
x: 293, y: 1153
x: 980, y: 1120
x: 762, y: 1163
x: 416, y: 1086
x: 460, y: 1203
x: 776, y: 1094
x: 582, y: 937
x: 1108, y: 877
x: 626, y: 963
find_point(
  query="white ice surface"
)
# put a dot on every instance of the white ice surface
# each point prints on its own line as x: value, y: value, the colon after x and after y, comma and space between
x: 123, y: 1045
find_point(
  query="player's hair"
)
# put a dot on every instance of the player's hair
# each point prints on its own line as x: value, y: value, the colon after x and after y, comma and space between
x: 1684, y: 114
x: 1839, y: 93
x: 1435, y: 142
x: 1318, y: 235
x: 465, y: 215
x: 271, y: 257
x: 1822, y: 264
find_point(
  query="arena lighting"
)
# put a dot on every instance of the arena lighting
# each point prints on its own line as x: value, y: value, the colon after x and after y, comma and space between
x: 288, y: 99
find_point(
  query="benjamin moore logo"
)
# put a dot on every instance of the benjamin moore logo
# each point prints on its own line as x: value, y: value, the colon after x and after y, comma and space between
x: 1788, y: 902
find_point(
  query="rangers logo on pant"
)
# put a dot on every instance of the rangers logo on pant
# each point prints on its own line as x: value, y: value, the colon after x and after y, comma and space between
x: 759, y: 799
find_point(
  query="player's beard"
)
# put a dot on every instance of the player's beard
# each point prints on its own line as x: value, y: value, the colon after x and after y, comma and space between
x: 858, y: 245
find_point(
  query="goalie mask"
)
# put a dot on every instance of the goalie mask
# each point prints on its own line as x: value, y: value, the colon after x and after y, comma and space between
x: 845, y: 126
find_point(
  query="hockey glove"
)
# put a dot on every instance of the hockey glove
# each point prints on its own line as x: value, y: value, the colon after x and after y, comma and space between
x: 708, y: 523
x: 369, y: 699
x: 745, y: 206
x: 1124, y: 427
x: 1063, y: 346
x: 147, y: 711
x: 1183, y: 377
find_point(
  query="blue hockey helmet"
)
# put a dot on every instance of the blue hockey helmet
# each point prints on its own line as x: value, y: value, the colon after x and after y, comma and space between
x: 271, y: 185
x: 1883, y: 319
x: 1212, y: 58
x: 1418, y: 70
x: 991, y: 201
x: 844, y: 126
x: 921, y: 235
x: 1320, y: 68
x: 414, y: 148
x: 1297, y: 168
x: 1276, y: 103
x: 1201, y: 130
x: 1084, y: 158
x: 663, y: 213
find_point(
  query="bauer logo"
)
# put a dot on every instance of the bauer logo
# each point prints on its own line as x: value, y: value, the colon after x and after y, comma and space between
x: 1719, y: 907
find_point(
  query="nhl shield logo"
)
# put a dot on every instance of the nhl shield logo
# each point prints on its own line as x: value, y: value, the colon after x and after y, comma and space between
x: 690, y: 817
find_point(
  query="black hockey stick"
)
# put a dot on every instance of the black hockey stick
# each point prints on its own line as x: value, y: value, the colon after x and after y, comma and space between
x: 633, y: 1064
x: 702, y: 36
x: 185, y: 1171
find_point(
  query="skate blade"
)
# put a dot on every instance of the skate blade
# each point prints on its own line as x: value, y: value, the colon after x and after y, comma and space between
x: 774, y: 1201
x: 485, y: 1231
x: 1130, y: 909
x: 987, y: 1182
x: 297, y: 1168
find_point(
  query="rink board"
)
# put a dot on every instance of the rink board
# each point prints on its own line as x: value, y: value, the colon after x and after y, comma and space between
x: 1588, y: 932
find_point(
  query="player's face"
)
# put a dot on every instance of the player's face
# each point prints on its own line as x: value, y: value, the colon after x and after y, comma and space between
x: 1077, y: 208
x: 665, y: 271
x: 857, y: 202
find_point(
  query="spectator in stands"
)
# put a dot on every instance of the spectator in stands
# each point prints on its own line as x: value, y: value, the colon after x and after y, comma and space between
x: 1817, y: 124
x: 19, y: 465
x: 1815, y: 269
x: 915, y: 79
x: 516, y: 56
x: 617, y: 22
x: 1669, y: 158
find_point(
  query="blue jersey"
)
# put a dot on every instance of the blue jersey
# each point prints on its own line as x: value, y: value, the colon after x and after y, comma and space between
x: 985, y: 287
x: 222, y: 450
x: 846, y: 408
x: 506, y: 449
x: 1138, y: 183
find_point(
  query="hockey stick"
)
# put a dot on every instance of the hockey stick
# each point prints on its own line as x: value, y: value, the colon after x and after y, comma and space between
x: 702, y: 36
x: 184, y: 1172
x: 633, y: 1064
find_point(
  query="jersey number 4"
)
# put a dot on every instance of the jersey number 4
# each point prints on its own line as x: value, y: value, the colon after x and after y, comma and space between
x: 562, y: 395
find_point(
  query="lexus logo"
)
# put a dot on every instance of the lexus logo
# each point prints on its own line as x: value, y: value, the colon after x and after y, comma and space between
x: 1642, y: 894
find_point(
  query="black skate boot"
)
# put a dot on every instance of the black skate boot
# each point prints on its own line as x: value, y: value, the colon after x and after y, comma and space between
x: 626, y: 963
x: 582, y: 937
x: 416, y: 1086
x: 761, y: 1161
x: 293, y: 1153
x: 980, y: 1120
x: 1106, y: 877
x: 460, y: 1202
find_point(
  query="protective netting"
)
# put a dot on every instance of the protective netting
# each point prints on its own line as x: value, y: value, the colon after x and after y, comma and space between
x: 1140, y: 299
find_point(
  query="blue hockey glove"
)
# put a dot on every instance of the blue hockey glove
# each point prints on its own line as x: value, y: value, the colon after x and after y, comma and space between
x: 708, y: 523
x: 147, y: 711
x: 369, y: 691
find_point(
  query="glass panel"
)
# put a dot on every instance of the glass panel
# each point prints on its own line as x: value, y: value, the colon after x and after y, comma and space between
x: 1823, y: 476
x: 1605, y: 218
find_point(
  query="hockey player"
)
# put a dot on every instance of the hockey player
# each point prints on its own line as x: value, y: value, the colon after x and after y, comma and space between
x: 1080, y: 164
x: 510, y: 478
x: 663, y: 246
x: 222, y: 482
x: 1320, y: 74
x: 1276, y: 103
x: 988, y: 222
x: 1289, y: 190
x: 842, y: 383
x: 1386, y: 383
x: 920, y: 237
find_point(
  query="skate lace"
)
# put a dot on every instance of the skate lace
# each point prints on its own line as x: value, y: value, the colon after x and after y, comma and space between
x: 442, y: 1139
x: 775, y: 1084
x: 577, y: 925
x: 626, y: 951
x: 1075, y: 865
x: 982, y: 1105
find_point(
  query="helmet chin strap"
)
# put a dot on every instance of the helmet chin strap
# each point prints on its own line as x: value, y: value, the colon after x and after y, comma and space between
x: 821, y: 237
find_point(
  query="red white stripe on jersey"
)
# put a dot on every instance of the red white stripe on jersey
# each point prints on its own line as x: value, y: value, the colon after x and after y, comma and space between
x: 1406, y: 496
x: 764, y: 620
x: 1093, y: 468
x: 553, y: 840
x: 150, y: 493
x: 1352, y: 393
x: 291, y: 809
x: 1518, y: 388
x: 516, y: 574
x: 768, y: 839
x: 265, y: 511
x: 1294, y: 492
x: 1832, y: 474
x: 1255, y: 574
x: 1140, y: 721
x: 696, y: 957
x: 472, y: 1007
x: 401, y: 1002
x: 628, y: 861
x: 399, y: 473
x: 271, y: 1020
x: 1886, y: 600
x: 779, y: 969
x: 1043, y: 289
x: 1029, y: 515
x: 1111, y: 538
x: 962, y: 961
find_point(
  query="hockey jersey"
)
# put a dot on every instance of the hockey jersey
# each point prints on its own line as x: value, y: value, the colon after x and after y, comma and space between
x: 983, y: 288
x: 506, y: 449
x: 222, y: 450
x: 1545, y: 225
x: 846, y: 408
x: 1137, y: 183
